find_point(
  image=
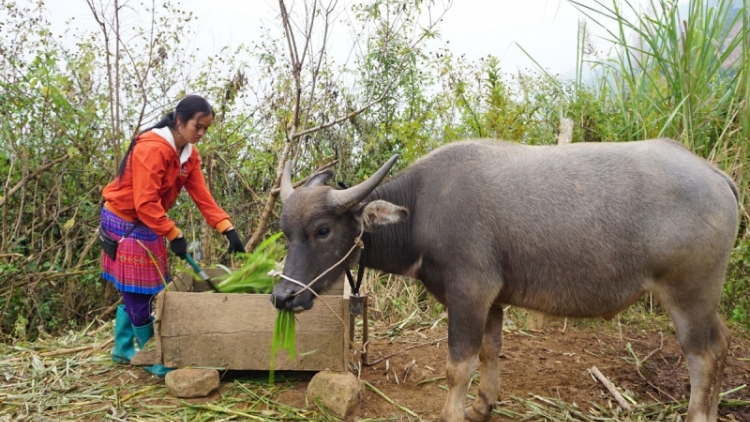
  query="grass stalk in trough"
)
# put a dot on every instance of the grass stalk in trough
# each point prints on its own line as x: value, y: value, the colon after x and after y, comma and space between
x: 252, y: 277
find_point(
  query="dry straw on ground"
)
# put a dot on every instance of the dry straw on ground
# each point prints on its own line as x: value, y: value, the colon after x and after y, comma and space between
x: 73, y: 378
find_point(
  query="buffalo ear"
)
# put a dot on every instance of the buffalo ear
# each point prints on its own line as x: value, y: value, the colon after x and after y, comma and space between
x: 319, y: 179
x: 382, y: 213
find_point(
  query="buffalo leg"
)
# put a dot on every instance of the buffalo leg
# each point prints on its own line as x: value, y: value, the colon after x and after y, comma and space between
x: 489, y: 385
x: 704, y: 340
x: 464, y: 342
x: 705, y: 348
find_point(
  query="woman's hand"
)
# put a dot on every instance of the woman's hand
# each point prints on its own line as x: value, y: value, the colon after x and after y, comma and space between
x: 235, y: 244
x: 178, y: 245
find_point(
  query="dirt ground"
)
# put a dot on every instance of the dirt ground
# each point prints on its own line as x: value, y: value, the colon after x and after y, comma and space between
x: 543, y: 373
x: 553, y: 362
x: 407, y: 365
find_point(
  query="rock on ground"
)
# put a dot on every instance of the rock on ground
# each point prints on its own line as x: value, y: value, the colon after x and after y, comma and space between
x: 192, y: 382
x: 338, y: 392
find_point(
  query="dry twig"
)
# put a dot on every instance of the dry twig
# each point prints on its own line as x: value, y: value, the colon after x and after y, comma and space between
x: 610, y: 387
x: 403, y: 350
x: 639, y: 363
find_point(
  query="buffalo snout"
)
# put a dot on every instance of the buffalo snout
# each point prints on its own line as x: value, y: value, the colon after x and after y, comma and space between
x: 285, y: 297
x: 279, y: 299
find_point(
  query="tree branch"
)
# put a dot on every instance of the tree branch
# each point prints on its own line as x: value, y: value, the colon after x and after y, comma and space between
x: 21, y: 183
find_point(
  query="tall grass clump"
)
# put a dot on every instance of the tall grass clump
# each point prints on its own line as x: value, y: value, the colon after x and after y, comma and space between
x: 736, y: 300
x: 398, y: 302
x: 683, y: 74
x: 683, y: 77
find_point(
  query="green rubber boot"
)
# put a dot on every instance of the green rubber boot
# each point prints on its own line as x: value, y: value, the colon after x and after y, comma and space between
x: 124, y: 349
x: 142, y: 335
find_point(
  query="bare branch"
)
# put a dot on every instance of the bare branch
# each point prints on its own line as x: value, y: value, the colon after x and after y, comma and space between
x: 148, y: 67
x: 348, y: 116
x: 116, y: 104
x: 293, y: 134
x: 21, y: 183
x: 110, y: 83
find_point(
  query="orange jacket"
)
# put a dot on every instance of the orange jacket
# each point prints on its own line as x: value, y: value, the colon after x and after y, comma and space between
x: 153, y: 178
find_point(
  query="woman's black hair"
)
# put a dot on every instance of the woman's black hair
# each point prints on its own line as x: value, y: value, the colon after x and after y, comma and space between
x: 186, y: 109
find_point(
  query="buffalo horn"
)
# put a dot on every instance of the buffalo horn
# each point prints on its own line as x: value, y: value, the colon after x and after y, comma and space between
x: 286, y: 182
x: 345, y: 199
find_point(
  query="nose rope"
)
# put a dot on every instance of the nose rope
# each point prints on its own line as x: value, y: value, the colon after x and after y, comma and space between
x: 357, y: 244
x: 274, y: 273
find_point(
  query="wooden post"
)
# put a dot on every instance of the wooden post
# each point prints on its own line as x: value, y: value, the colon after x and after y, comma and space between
x: 535, y: 320
x: 565, y: 132
x: 365, y: 330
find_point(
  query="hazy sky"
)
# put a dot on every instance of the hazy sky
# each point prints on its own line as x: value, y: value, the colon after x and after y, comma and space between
x: 546, y: 29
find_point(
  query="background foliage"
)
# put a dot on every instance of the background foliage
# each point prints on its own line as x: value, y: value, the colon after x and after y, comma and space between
x: 67, y: 112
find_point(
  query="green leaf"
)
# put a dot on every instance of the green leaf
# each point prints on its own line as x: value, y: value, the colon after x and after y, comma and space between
x: 69, y: 224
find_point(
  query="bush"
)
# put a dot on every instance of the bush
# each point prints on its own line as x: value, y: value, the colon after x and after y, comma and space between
x: 736, y: 300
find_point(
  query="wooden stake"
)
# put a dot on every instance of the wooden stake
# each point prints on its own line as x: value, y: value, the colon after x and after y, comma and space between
x: 565, y: 132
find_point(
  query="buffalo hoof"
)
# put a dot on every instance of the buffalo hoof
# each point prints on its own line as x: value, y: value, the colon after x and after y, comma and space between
x: 475, y: 415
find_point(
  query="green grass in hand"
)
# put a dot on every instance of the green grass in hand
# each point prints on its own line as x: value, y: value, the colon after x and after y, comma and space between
x: 252, y: 276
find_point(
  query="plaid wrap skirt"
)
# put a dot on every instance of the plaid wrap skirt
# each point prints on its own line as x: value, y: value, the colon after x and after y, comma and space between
x: 141, y: 262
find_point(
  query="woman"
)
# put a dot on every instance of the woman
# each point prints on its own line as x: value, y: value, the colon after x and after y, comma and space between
x: 158, y: 163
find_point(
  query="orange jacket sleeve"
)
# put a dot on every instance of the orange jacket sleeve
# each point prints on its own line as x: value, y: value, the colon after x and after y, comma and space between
x: 196, y: 187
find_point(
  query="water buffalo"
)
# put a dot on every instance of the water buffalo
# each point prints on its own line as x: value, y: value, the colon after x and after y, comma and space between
x: 578, y: 230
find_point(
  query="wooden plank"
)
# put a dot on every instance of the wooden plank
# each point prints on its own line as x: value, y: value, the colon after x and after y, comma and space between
x: 252, y: 351
x: 152, y: 356
x: 182, y: 282
x: 157, y: 326
x: 204, y: 313
x: 234, y: 331
x: 146, y: 357
x: 344, y: 343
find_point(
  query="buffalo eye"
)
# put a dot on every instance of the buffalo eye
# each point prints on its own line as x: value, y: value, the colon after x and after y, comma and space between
x: 323, y: 232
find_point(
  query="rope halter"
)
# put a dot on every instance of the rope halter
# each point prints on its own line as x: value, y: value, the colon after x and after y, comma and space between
x: 357, y: 244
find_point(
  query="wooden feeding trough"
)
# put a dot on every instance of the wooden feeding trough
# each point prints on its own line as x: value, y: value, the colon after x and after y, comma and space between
x: 194, y: 327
